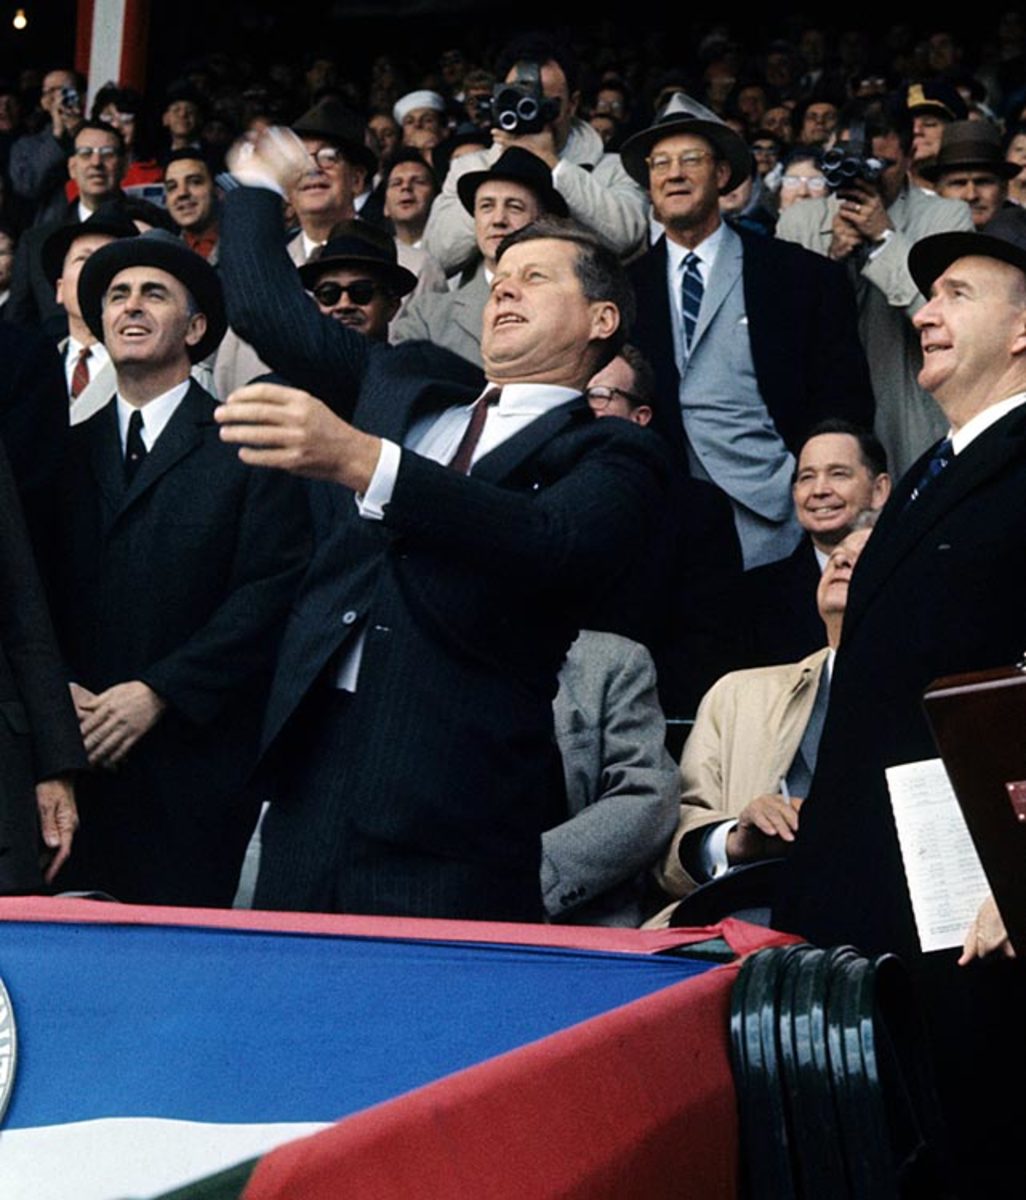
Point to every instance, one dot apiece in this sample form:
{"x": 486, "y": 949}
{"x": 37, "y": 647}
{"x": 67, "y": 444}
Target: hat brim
{"x": 195, "y": 274}
{"x": 723, "y": 139}
{"x": 355, "y": 151}
{"x": 1001, "y": 168}
{"x": 930, "y": 258}
{"x": 55, "y": 248}
{"x": 467, "y": 185}
{"x": 397, "y": 278}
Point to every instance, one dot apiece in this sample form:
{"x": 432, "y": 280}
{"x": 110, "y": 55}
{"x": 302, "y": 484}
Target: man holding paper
{"x": 938, "y": 591}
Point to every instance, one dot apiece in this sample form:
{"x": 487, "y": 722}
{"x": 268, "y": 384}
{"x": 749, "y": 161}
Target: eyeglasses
{"x": 815, "y": 183}
{"x": 660, "y": 164}
{"x": 327, "y": 156}
{"x": 360, "y": 292}
{"x": 602, "y": 397}
{"x": 105, "y": 153}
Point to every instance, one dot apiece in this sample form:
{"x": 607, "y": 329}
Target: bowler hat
{"x": 55, "y": 248}
{"x": 518, "y": 166}
{"x": 970, "y": 144}
{"x": 163, "y": 250}
{"x": 1003, "y": 238}
{"x": 684, "y": 115}
{"x": 331, "y": 120}
{"x": 358, "y": 243}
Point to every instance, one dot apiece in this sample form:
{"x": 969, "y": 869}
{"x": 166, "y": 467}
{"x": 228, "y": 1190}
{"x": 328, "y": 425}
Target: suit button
{"x": 349, "y": 617}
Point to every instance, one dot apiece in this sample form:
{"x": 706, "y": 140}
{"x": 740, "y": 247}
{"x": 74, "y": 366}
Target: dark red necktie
{"x": 80, "y": 375}
{"x": 464, "y": 455}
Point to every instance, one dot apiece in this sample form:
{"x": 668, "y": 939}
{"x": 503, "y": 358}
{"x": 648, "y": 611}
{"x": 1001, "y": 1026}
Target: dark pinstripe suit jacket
{"x": 471, "y": 589}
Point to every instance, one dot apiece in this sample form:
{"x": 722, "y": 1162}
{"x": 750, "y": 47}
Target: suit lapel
{"x": 507, "y": 456}
{"x": 183, "y": 432}
{"x": 178, "y": 438}
{"x": 902, "y": 527}
{"x": 467, "y": 303}
{"x": 726, "y": 274}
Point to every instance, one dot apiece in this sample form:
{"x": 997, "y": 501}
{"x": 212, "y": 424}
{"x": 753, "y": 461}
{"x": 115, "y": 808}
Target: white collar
{"x": 705, "y": 252}
{"x": 983, "y": 420}
{"x": 156, "y": 413}
{"x": 532, "y": 399}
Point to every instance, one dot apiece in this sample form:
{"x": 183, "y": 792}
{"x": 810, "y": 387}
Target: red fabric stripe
{"x": 740, "y": 937}
{"x": 83, "y": 35}
{"x": 636, "y": 1102}
{"x": 135, "y": 35}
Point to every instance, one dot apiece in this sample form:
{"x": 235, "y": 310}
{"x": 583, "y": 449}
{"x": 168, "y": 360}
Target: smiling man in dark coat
{"x": 938, "y": 591}
{"x": 176, "y": 569}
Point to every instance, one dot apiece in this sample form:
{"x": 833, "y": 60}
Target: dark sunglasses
{"x": 360, "y": 292}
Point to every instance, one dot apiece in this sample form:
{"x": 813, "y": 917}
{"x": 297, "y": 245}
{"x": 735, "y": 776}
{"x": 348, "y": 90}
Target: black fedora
{"x": 684, "y": 115}
{"x": 333, "y": 121}
{"x": 163, "y": 250}
{"x": 518, "y": 166}
{"x": 1003, "y": 238}
{"x": 358, "y": 243}
{"x": 55, "y": 249}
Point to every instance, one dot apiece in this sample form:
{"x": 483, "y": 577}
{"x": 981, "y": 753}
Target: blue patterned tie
{"x": 939, "y": 459}
{"x": 691, "y": 298}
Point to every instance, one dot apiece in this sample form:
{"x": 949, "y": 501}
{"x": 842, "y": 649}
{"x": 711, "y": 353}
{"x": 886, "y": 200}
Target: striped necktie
{"x": 691, "y": 298}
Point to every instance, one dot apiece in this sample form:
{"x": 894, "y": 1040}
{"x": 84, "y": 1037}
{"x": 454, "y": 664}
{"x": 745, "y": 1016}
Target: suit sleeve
{"x": 268, "y": 307}
{"x": 29, "y": 646}
{"x": 888, "y": 269}
{"x": 702, "y": 798}
{"x": 236, "y": 645}
{"x": 633, "y": 804}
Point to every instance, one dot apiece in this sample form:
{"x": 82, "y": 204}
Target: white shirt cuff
{"x": 375, "y": 499}
{"x": 712, "y": 857}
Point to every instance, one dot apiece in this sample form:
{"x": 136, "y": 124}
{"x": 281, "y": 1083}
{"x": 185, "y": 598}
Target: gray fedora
{"x": 684, "y": 115}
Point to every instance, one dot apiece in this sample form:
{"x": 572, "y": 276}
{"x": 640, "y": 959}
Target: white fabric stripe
{"x": 128, "y": 1156}
{"x": 105, "y": 46}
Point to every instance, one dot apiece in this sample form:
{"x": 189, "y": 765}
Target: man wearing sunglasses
{"x": 356, "y": 280}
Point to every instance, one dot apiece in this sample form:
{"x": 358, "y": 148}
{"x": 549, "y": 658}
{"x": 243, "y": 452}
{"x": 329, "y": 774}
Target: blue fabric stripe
{"x": 212, "y": 1025}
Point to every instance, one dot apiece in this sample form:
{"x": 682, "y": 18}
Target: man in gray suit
{"x": 622, "y": 788}
{"x": 511, "y": 194}
{"x": 751, "y": 343}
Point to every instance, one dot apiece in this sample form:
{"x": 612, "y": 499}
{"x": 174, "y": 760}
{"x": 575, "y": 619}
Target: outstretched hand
{"x": 290, "y": 430}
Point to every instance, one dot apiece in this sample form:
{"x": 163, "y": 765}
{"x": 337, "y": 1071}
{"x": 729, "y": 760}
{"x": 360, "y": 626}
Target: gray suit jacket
{"x": 623, "y": 789}
{"x": 449, "y": 319}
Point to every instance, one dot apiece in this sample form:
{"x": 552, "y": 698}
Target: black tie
{"x": 135, "y": 447}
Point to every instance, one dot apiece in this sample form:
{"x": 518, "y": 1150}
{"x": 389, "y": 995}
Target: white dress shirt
{"x": 156, "y": 414}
